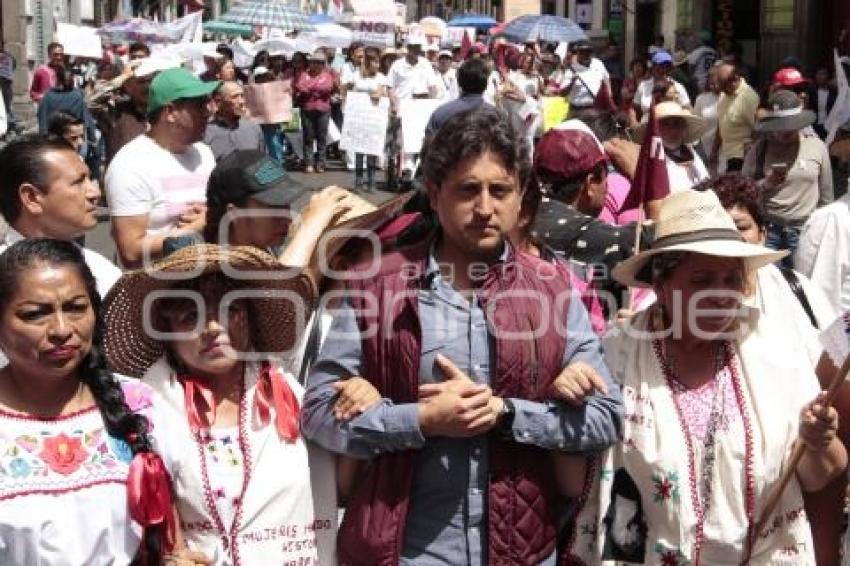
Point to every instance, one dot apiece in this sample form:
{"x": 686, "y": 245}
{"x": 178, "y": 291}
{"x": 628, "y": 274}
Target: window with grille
{"x": 778, "y": 14}
{"x": 684, "y": 14}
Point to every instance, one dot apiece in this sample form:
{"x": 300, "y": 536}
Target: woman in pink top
{"x": 313, "y": 90}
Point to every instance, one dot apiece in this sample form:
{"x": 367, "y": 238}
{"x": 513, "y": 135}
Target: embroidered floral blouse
{"x": 63, "y": 496}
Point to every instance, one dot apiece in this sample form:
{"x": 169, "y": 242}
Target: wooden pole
{"x": 799, "y": 450}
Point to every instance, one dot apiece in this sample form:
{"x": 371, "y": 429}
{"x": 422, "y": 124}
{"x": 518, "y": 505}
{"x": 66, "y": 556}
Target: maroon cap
{"x": 567, "y": 154}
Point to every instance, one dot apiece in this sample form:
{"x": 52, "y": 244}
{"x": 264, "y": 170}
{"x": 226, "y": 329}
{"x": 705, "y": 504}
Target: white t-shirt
{"x": 705, "y": 107}
{"x": 449, "y": 89}
{"x": 367, "y": 84}
{"x": 592, "y": 76}
{"x": 145, "y": 178}
{"x": 407, "y": 80}
{"x": 643, "y": 95}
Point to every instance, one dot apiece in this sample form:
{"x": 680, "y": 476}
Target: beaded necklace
{"x": 229, "y": 537}
{"x": 701, "y": 504}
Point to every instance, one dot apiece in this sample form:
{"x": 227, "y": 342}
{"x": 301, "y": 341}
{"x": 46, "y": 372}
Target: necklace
{"x": 701, "y": 490}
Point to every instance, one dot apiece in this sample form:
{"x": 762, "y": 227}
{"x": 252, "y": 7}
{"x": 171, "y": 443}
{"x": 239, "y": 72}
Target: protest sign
{"x": 453, "y": 36}
{"x": 373, "y": 33}
{"x": 269, "y": 103}
{"x": 79, "y": 41}
{"x": 555, "y": 110}
{"x": 415, "y": 113}
{"x": 365, "y": 127}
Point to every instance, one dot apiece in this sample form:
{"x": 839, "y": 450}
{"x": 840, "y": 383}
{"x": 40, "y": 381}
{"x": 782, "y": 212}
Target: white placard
{"x": 365, "y": 127}
{"x": 79, "y": 41}
{"x": 454, "y": 36}
{"x": 374, "y": 33}
{"x": 415, "y": 113}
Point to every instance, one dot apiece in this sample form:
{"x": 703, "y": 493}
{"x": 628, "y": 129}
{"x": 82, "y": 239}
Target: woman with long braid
{"x": 79, "y": 481}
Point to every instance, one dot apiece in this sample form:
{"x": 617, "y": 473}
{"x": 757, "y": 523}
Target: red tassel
{"x": 274, "y": 391}
{"x": 194, "y": 392}
{"x": 149, "y": 496}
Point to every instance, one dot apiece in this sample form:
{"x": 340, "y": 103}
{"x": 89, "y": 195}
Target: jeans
{"x": 315, "y": 126}
{"x": 6, "y": 90}
{"x": 371, "y": 165}
{"x": 783, "y": 238}
{"x": 274, "y": 141}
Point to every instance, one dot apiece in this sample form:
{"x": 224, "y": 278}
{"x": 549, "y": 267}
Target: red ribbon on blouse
{"x": 272, "y": 392}
{"x": 149, "y": 496}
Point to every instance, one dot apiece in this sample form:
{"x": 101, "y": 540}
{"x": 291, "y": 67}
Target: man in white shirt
{"x": 447, "y": 77}
{"x": 46, "y": 192}
{"x": 662, "y": 64}
{"x": 156, "y": 184}
{"x": 582, "y": 79}
{"x": 823, "y": 252}
{"x": 412, "y": 76}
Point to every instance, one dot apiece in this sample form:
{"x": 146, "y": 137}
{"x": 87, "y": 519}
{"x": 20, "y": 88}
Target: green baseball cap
{"x": 175, "y": 84}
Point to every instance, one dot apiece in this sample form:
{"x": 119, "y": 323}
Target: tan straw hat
{"x": 694, "y": 128}
{"x": 280, "y": 293}
{"x": 693, "y": 221}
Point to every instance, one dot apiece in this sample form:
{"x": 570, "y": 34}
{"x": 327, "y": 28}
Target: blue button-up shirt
{"x": 447, "y": 515}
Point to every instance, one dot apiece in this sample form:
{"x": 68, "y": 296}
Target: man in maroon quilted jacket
{"x": 469, "y": 345}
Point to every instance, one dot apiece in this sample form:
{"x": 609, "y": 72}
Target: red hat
{"x": 789, "y": 77}
{"x": 566, "y": 154}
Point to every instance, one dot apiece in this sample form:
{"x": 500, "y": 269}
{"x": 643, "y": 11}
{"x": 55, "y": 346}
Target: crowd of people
{"x": 524, "y": 357}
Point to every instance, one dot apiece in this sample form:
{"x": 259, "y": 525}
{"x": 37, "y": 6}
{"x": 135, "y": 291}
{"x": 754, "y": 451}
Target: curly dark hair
{"x": 735, "y": 189}
{"x": 484, "y": 129}
{"x": 120, "y": 421}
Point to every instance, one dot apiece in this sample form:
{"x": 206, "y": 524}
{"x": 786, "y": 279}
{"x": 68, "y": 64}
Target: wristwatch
{"x": 506, "y": 417}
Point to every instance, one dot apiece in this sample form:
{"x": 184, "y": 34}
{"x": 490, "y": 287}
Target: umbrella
{"x": 473, "y": 21}
{"x": 282, "y": 45}
{"x": 137, "y": 29}
{"x": 228, "y": 28}
{"x": 552, "y": 29}
{"x": 331, "y": 35}
{"x": 269, "y": 13}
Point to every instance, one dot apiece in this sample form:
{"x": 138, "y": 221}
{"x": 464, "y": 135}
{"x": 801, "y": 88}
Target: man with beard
{"x": 156, "y": 184}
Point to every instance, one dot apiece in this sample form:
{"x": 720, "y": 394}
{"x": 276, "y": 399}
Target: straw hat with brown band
{"x": 695, "y": 126}
{"x": 282, "y": 294}
{"x": 693, "y": 221}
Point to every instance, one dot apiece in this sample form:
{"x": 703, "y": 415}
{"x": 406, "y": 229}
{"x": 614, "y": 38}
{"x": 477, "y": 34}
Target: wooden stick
{"x": 799, "y": 450}
{"x": 638, "y": 230}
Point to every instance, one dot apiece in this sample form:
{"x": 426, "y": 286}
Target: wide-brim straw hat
{"x": 283, "y": 299}
{"x": 695, "y": 126}
{"x": 786, "y": 114}
{"x": 693, "y": 221}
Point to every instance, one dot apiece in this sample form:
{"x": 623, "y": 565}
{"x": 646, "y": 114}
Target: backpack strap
{"x": 797, "y": 288}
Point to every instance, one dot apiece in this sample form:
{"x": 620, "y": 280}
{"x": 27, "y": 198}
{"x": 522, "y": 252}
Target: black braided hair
{"x": 119, "y": 420}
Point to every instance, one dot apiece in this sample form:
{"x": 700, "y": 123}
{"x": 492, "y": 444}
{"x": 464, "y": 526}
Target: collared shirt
{"x": 736, "y": 119}
{"x": 224, "y": 139}
{"x": 447, "y": 516}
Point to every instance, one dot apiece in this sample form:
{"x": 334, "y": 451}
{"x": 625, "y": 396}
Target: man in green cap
{"x": 156, "y": 184}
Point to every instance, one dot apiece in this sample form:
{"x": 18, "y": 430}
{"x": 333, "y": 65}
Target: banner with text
{"x": 269, "y": 103}
{"x": 374, "y": 33}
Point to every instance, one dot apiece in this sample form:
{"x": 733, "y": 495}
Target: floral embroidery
{"x": 19, "y": 468}
{"x": 670, "y": 556}
{"x": 223, "y": 450}
{"x": 121, "y": 449}
{"x": 665, "y": 486}
{"x": 64, "y": 454}
{"x": 137, "y": 394}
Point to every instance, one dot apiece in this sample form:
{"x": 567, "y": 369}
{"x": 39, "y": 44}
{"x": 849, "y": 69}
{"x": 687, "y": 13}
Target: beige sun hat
{"x": 280, "y": 292}
{"x": 695, "y": 126}
{"x": 693, "y": 221}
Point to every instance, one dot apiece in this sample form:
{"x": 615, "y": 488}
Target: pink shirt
{"x": 618, "y": 189}
{"x": 314, "y": 93}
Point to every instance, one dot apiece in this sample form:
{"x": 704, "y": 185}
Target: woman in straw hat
{"x": 203, "y": 328}
{"x": 793, "y": 170}
{"x": 716, "y": 396}
{"x": 75, "y": 438}
{"x": 679, "y": 130}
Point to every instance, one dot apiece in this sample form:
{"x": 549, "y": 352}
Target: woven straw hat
{"x": 693, "y": 221}
{"x": 695, "y": 126}
{"x": 130, "y": 350}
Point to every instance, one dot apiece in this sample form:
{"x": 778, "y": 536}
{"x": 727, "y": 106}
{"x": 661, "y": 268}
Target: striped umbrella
{"x": 269, "y": 13}
{"x": 552, "y": 29}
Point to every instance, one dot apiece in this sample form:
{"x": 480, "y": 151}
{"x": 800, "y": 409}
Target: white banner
{"x": 454, "y": 36}
{"x": 79, "y": 41}
{"x": 415, "y": 113}
{"x": 840, "y": 113}
{"x": 374, "y": 33}
{"x": 365, "y": 127}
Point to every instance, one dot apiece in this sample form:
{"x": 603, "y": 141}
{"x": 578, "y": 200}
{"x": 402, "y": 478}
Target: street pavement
{"x": 101, "y": 241}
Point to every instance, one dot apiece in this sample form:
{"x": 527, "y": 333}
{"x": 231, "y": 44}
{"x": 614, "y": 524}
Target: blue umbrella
{"x": 321, "y": 19}
{"x": 473, "y": 21}
{"x": 552, "y": 29}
